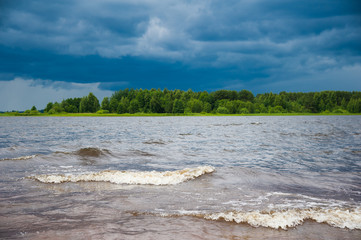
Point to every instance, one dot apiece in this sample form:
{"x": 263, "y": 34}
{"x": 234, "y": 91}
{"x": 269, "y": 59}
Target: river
{"x": 274, "y": 177}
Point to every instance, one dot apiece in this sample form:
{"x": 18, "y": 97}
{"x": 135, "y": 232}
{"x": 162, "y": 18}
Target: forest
{"x": 221, "y": 101}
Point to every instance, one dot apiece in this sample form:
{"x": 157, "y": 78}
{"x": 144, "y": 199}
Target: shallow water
{"x": 181, "y": 177}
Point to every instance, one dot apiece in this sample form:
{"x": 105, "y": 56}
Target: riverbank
{"x": 15, "y": 114}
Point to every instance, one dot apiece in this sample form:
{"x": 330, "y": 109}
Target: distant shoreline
{"x": 167, "y": 114}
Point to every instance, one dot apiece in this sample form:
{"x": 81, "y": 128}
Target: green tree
{"x": 83, "y": 105}
{"x": 140, "y": 97}
{"x": 186, "y": 96}
{"x": 296, "y": 107}
{"x": 89, "y": 103}
{"x": 195, "y": 105}
{"x": 158, "y": 101}
{"x": 106, "y": 104}
{"x": 147, "y": 98}
{"x": 354, "y": 106}
{"x": 321, "y": 106}
{"x": 33, "y": 111}
{"x": 71, "y": 109}
{"x": 68, "y": 106}
{"x": 57, "y": 108}
{"x": 155, "y": 104}
{"x": 343, "y": 104}
{"x": 113, "y": 105}
{"x": 134, "y": 106}
{"x": 276, "y": 109}
{"x": 178, "y": 106}
{"x": 250, "y": 107}
{"x": 245, "y": 96}
{"x": 225, "y": 94}
{"x": 243, "y": 111}
{"x": 263, "y": 108}
{"x": 222, "y": 110}
{"x": 232, "y": 106}
{"x": 279, "y": 101}
{"x": 48, "y": 107}
{"x": 167, "y": 102}
{"x": 204, "y": 97}
{"x": 207, "y": 107}
{"x": 93, "y": 103}
{"x": 71, "y": 105}
{"x": 123, "y": 105}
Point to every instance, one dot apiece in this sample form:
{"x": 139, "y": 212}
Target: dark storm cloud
{"x": 180, "y": 44}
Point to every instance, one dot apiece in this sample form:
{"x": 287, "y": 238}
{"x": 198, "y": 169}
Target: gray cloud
{"x": 278, "y": 39}
{"x": 113, "y": 28}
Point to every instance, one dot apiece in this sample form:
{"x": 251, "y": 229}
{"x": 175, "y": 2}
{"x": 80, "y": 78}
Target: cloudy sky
{"x": 52, "y": 50}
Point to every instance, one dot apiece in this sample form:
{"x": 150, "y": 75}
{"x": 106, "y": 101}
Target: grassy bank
{"x": 12, "y": 114}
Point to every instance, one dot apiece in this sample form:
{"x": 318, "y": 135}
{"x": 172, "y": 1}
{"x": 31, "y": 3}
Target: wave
{"x": 159, "y": 142}
{"x": 141, "y": 153}
{"x": 130, "y": 177}
{"x": 88, "y": 152}
{"x": 336, "y": 217}
{"x": 19, "y": 158}
{"x": 227, "y": 125}
{"x": 91, "y": 152}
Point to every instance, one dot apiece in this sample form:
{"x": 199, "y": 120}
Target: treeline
{"x": 89, "y": 104}
{"x": 221, "y": 101}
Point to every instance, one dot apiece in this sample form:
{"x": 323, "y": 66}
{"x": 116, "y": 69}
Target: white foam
{"x": 130, "y": 177}
{"x": 66, "y": 167}
{"x": 19, "y": 158}
{"x": 337, "y": 217}
{"x": 283, "y": 219}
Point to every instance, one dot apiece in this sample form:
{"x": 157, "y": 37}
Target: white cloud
{"x": 21, "y": 94}
{"x": 160, "y": 40}
{"x": 152, "y": 40}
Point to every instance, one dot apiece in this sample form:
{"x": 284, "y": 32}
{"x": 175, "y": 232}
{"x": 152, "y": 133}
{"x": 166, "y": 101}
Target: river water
{"x": 294, "y": 177}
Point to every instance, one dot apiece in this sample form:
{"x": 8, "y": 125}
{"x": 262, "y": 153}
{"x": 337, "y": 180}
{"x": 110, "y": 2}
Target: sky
{"x": 53, "y": 50}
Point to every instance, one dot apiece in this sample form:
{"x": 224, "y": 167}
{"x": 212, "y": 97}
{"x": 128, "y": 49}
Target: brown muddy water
{"x": 296, "y": 177}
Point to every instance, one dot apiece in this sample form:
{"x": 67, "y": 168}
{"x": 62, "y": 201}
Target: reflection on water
{"x": 299, "y": 173}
